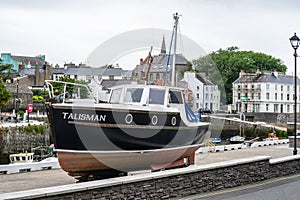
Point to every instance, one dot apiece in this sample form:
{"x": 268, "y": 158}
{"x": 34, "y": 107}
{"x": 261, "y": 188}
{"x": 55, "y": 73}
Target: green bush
{"x": 21, "y": 113}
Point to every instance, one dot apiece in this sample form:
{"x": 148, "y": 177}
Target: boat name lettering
{"x": 83, "y": 117}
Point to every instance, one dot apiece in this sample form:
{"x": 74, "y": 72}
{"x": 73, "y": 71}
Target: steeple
{"x": 163, "y": 46}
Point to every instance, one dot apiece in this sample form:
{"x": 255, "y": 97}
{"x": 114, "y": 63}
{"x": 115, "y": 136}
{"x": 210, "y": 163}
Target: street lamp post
{"x": 295, "y": 44}
{"x": 17, "y": 105}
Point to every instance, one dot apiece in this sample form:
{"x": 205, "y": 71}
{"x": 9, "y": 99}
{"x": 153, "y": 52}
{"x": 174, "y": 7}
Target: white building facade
{"x": 205, "y": 93}
{"x": 272, "y": 92}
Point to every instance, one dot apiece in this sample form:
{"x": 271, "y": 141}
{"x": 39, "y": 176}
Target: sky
{"x": 70, "y": 30}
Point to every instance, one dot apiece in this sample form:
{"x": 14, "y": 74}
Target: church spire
{"x": 163, "y": 46}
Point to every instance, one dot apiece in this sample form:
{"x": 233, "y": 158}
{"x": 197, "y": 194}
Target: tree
{"x": 70, "y": 89}
{"x": 5, "y": 71}
{"x": 223, "y": 66}
{"x": 5, "y": 95}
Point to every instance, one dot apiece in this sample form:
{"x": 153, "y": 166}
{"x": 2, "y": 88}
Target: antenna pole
{"x": 176, "y": 18}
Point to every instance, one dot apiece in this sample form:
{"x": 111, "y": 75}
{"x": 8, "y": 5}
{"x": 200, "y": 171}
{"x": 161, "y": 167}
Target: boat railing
{"x": 61, "y": 91}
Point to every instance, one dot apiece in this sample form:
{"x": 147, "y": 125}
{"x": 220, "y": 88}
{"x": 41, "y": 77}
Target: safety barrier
{"x": 48, "y": 163}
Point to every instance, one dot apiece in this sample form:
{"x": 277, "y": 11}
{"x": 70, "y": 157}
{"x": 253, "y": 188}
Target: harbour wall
{"x": 21, "y": 138}
{"x": 170, "y": 184}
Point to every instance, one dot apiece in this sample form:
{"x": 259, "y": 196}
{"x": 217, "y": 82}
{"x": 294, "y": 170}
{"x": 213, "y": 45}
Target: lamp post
{"x": 44, "y": 99}
{"x": 295, "y": 44}
{"x": 17, "y": 105}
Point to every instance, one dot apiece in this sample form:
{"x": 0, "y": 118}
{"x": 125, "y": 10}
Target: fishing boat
{"x": 237, "y": 139}
{"x": 140, "y": 127}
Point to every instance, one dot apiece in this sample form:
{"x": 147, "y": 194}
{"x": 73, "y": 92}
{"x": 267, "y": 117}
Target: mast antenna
{"x": 176, "y": 20}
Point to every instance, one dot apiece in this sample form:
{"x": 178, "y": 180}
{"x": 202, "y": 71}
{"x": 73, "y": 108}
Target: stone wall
{"x": 21, "y": 139}
{"x": 174, "y": 183}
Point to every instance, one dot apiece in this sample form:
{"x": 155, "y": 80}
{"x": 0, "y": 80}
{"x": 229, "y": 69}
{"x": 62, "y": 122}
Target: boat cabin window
{"x": 115, "y": 95}
{"x": 133, "y": 95}
{"x": 156, "y": 96}
{"x": 175, "y": 97}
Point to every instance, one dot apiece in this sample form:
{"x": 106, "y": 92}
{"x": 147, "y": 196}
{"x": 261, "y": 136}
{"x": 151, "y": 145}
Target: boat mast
{"x": 176, "y": 18}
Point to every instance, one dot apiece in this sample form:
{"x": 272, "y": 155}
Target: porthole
{"x": 154, "y": 120}
{"x": 173, "y": 121}
{"x": 128, "y": 118}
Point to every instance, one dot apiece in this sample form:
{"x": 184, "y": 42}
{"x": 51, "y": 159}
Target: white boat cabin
{"x": 146, "y": 95}
{"x": 21, "y": 158}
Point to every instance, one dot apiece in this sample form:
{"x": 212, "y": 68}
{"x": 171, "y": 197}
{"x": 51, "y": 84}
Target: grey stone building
{"x": 159, "y": 67}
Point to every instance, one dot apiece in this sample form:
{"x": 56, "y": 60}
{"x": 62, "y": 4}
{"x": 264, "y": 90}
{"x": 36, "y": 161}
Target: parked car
{"x": 261, "y": 123}
{"x": 205, "y": 111}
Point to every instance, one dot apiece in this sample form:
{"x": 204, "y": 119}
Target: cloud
{"x": 69, "y": 30}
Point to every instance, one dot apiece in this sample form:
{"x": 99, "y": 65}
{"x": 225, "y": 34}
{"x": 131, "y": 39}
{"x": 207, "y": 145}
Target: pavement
{"x": 47, "y": 178}
{"x": 275, "y": 151}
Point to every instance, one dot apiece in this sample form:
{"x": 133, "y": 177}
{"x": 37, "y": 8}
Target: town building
{"x": 160, "y": 67}
{"x": 86, "y": 73}
{"x": 27, "y": 61}
{"x": 205, "y": 94}
{"x": 30, "y": 71}
{"x": 264, "y": 92}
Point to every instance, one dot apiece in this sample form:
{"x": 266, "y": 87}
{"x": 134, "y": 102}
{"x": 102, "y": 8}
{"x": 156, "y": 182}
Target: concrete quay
{"x": 56, "y": 182}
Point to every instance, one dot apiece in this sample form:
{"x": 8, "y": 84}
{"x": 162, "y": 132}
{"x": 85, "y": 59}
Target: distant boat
{"x": 237, "y": 139}
{"x": 21, "y": 158}
{"x": 215, "y": 140}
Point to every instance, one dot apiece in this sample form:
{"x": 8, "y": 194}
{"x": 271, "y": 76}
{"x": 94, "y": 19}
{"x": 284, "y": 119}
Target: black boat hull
{"x": 89, "y": 140}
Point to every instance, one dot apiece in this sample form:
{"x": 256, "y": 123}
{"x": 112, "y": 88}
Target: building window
{"x": 275, "y": 108}
{"x": 88, "y": 78}
{"x": 275, "y": 96}
{"x": 157, "y": 76}
{"x": 288, "y": 97}
{"x": 288, "y": 108}
{"x": 288, "y": 88}
{"x": 252, "y": 96}
{"x": 252, "y": 86}
{"x": 206, "y": 96}
{"x": 268, "y": 87}
{"x": 151, "y": 77}
{"x": 258, "y": 96}
{"x": 197, "y": 95}
{"x": 267, "y": 107}
{"x": 275, "y": 87}
{"x": 281, "y": 88}
{"x": 197, "y": 105}
{"x": 258, "y": 86}
{"x": 256, "y": 107}
{"x": 198, "y": 87}
{"x": 239, "y": 87}
{"x": 281, "y": 96}
{"x": 239, "y": 96}
{"x": 268, "y": 96}
{"x": 111, "y": 77}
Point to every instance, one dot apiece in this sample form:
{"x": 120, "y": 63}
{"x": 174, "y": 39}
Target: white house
{"x": 205, "y": 93}
{"x": 264, "y": 92}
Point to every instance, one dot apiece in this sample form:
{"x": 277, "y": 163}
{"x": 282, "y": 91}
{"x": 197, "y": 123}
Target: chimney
{"x": 275, "y": 73}
{"x": 258, "y": 72}
{"x": 141, "y": 61}
{"x": 242, "y": 73}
